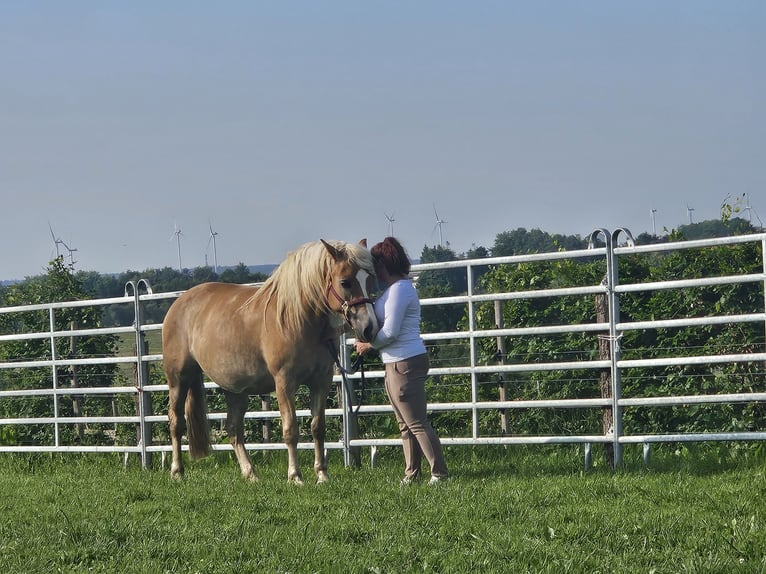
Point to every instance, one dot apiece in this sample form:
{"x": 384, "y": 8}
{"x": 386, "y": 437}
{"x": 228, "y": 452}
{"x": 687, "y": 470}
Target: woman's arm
{"x": 394, "y": 310}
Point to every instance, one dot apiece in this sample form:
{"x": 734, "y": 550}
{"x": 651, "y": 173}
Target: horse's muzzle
{"x": 368, "y": 333}
{"x": 365, "y": 327}
{"x": 364, "y": 323}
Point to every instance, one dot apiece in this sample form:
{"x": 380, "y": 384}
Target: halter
{"x": 347, "y": 304}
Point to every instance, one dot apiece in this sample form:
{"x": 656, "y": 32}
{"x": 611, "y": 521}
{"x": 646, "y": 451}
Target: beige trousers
{"x": 406, "y": 390}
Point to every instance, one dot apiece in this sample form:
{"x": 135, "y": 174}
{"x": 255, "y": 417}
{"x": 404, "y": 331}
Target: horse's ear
{"x": 331, "y": 249}
{"x": 363, "y": 242}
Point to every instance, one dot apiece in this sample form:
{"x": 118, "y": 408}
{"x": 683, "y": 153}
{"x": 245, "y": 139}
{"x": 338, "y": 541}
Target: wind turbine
{"x": 654, "y": 222}
{"x": 71, "y": 250}
{"x": 439, "y": 223}
{"x": 213, "y": 235}
{"x": 56, "y": 241}
{"x": 751, "y": 211}
{"x": 391, "y": 220}
{"x": 177, "y": 234}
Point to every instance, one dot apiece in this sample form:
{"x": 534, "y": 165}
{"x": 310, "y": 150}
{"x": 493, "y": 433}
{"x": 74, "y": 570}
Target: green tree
{"x": 716, "y": 228}
{"x": 440, "y": 283}
{"x": 522, "y": 242}
{"x": 563, "y": 347}
{"x": 690, "y": 379}
{"x": 241, "y": 274}
{"x": 58, "y": 285}
{"x": 726, "y": 338}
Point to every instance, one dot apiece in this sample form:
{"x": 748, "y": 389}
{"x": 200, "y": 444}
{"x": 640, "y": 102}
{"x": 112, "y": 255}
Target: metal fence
{"x": 481, "y": 387}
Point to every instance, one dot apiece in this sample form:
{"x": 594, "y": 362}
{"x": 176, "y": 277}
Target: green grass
{"x": 504, "y": 510}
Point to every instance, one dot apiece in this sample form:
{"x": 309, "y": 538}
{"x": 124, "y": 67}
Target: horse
{"x": 253, "y": 340}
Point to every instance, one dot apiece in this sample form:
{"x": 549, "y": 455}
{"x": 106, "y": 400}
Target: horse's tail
{"x": 197, "y": 427}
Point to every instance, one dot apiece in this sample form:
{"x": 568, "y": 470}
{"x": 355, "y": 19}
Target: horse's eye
{"x": 346, "y": 283}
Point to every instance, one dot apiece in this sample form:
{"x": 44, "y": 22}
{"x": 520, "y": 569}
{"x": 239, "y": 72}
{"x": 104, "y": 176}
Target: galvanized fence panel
{"x": 474, "y": 372}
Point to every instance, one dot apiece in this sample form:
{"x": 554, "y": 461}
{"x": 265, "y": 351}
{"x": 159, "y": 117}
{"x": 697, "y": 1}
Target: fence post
{"x": 502, "y": 383}
{"x": 76, "y": 400}
{"x": 144, "y": 400}
{"x": 615, "y": 337}
{"x": 472, "y": 350}
{"x": 351, "y": 455}
{"x": 614, "y": 347}
{"x": 54, "y": 378}
{"x": 763, "y": 263}
{"x": 605, "y": 376}
{"x": 266, "y": 428}
{"x": 613, "y": 304}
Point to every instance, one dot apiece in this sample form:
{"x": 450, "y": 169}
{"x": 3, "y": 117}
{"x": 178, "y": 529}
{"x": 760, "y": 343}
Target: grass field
{"x": 504, "y": 510}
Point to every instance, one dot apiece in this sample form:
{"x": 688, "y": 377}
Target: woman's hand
{"x": 362, "y": 348}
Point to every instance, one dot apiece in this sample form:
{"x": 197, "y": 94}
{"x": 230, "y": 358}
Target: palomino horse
{"x": 255, "y": 340}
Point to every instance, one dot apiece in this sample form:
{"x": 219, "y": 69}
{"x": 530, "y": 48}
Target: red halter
{"x": 347, "y": 304}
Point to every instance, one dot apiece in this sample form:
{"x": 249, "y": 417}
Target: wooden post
{"x": 143, "y": 402}
{"x": 266, "y": 406}
{"x": 76, "y": 399}
{"x": 501, "y": 360}
{"x": 605, "y": 377}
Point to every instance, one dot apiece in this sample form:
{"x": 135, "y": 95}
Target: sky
{"x": 278, "y": 123}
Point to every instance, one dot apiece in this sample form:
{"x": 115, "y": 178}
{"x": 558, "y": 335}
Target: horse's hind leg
{"x": 177, "y": 399}
{"x": 236, "y": 406}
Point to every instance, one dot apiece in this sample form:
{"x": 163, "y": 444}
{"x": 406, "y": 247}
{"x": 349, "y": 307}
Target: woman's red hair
{"x": 392, "y": 255}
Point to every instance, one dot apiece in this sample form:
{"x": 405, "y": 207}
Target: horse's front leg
{"x": 286, "y": 400}
{"x": 318, "y": 430}
{"x": 236, "y": 406}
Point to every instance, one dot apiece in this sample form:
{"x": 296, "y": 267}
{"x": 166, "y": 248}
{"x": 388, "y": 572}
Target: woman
{"x": 405, "y": 359}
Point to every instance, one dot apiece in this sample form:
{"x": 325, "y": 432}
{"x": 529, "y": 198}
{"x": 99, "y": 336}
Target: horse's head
{"x": 348, "y": 287}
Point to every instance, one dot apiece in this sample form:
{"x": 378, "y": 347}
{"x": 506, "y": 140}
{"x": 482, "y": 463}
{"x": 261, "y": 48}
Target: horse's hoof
{"x": 248, "y": 473}
{"x": 323, "y": 478}
{"x": 177, "y": 474}
{"x": 296, "y": 480}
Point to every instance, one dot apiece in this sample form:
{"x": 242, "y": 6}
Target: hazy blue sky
{"x": 284, "y": 122}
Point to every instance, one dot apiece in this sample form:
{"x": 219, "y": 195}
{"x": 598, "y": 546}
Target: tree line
{"x": 63, "y": 283}
{"x": 679, "y": 380}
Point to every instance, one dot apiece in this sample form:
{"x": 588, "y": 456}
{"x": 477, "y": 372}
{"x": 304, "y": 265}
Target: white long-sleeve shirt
{"x": 398, "y": 311}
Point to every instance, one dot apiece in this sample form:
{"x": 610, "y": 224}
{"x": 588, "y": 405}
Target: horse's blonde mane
{"x": 298, "y": 287}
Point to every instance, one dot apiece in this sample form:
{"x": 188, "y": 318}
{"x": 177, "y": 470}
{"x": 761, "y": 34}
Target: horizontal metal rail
{"x": 473, "y": 371}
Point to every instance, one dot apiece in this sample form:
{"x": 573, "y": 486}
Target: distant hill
{"x": 265, "y": 269}
{"x": 521, "y": 240}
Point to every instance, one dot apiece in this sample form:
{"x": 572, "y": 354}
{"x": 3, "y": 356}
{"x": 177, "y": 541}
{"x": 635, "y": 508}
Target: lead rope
{"x": 357, "y": 365}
